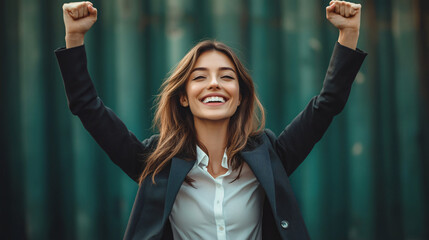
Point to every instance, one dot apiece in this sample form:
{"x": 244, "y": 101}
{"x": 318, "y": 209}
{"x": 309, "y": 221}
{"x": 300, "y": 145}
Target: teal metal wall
{"x": 367, "y": 179}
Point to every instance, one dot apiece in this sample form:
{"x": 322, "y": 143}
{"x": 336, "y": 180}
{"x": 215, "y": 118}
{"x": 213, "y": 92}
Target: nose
{"x": 214, "y": 83}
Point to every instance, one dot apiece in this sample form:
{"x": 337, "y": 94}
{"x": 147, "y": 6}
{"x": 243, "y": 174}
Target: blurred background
{"x": 366, "y": 179}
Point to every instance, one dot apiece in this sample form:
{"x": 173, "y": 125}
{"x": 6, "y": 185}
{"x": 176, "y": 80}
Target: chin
{"x": 213, "y": 117}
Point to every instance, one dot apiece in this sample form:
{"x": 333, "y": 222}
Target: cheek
{"x": 193, "y": 90}
{"x": 235, "y": 92}
{"x": 192, "y": 93}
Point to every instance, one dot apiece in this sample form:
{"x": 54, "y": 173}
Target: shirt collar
{"x": 203, "y": 159}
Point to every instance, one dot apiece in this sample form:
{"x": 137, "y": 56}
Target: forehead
{"x": 213, "y": 59}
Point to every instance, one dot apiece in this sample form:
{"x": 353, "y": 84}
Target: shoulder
{"x": 271, "y": 135}
{"x": 263, "y": 137}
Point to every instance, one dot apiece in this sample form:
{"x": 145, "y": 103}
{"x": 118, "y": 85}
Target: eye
{"x": 227, "y": 77}
{"x": 198, "y": 77}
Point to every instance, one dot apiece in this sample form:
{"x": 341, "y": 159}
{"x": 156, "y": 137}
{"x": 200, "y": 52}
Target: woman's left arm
{"x": 296, "y": 141}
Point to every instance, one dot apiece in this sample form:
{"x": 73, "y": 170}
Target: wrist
{"x": 348, "y": 37}
{"x": 74, "y": 39}
{"x": 349, "y": 31}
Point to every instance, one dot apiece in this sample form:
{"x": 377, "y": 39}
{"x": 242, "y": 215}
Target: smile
{"x": 214, "y": 99}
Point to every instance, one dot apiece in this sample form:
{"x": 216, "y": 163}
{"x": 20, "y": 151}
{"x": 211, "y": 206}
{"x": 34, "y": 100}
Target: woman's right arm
{"x": 123, "y": 148}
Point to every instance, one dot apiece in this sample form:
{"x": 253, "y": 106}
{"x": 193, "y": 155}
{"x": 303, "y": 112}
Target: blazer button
{"x": 284, "y": 224}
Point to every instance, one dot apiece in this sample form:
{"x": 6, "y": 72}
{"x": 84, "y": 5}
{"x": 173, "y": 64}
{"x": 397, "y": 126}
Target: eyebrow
{"x": 205, "y": 69}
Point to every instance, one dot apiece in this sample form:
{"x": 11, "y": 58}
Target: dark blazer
{"x": 272, "y": 159}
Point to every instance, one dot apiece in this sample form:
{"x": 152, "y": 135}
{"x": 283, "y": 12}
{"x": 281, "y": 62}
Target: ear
{"x": 184, "y": 101}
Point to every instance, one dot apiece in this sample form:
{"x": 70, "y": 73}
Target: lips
{"x": 214, "y": 99}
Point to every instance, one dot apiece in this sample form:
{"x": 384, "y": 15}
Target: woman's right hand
{"x": 78, "y": 19}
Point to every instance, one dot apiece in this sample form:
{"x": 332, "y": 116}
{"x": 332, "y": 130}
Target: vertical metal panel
{"x": 407, "y": 108}
{"x": 12, "y": 194}
{"x": 387, "y": 181}
{"x": 423, "y": 49}
{"x": 227, "y": 17}
{"x": 179, "y": 30}
{"x": 32, "y": 121}
{"x": 156, "y": 44}
{"x": 264, "y": 42}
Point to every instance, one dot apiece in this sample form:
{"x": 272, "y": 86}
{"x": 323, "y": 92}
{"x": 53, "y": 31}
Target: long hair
{"x": 177, "y": 134}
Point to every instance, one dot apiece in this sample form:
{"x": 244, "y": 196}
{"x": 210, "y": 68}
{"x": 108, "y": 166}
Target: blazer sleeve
{"x": 122, "y": 146}
{"x": 299, "y": 137}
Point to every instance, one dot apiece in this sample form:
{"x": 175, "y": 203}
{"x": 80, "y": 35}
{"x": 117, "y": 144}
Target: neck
{"x": 213, "y": 135}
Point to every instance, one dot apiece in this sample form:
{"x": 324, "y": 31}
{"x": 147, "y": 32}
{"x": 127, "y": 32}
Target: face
{"x": 212, "y": 90}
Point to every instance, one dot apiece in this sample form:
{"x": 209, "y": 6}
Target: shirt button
{"x": 220, "y": 228}
{"x": 284, "y": 224}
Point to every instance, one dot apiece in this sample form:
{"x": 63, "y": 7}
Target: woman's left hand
{"x": 346, "y": 17}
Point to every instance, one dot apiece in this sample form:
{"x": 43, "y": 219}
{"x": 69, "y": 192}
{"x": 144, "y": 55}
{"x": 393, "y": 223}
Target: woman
{"x": 213, "y": 172}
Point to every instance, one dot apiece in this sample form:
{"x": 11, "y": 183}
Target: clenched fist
{"x": 78, "y": 19}
{"x": 346, "y": 17}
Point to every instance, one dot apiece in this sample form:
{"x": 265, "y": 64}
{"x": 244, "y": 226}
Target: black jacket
{"x": 272, "y": 159}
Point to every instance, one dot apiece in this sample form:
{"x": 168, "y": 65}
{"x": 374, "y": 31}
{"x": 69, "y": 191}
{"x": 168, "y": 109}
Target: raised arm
{"x": 123, "y": 148}
{"x": 296, "y": 141}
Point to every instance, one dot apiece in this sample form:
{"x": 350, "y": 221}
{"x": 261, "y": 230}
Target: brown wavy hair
{"x": 177, "y": 134}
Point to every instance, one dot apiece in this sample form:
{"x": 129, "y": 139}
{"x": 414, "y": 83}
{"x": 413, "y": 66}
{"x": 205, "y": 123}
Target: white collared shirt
{"x": 217, "y": 208}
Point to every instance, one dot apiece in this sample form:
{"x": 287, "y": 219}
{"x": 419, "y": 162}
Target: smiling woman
{"x": 185, "y": 117}
{"x": 213, "y": 95}
{"x": 213, "y": 172}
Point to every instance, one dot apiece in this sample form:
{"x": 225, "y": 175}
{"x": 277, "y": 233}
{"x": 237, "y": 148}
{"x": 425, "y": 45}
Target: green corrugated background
{"x": 367, "y": 179}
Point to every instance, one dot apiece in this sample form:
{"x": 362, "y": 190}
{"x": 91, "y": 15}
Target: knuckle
{"x": 66, "y": 6}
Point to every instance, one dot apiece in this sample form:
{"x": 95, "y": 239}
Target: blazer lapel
{"x": 178, "y": 171}
{"x": 258, "y": 160}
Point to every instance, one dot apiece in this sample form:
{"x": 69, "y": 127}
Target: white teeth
{"x": 214, "y": 99}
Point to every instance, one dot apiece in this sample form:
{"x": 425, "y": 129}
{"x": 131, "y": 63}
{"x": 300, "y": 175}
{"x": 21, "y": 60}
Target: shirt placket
{"x": 218, "y": 209}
